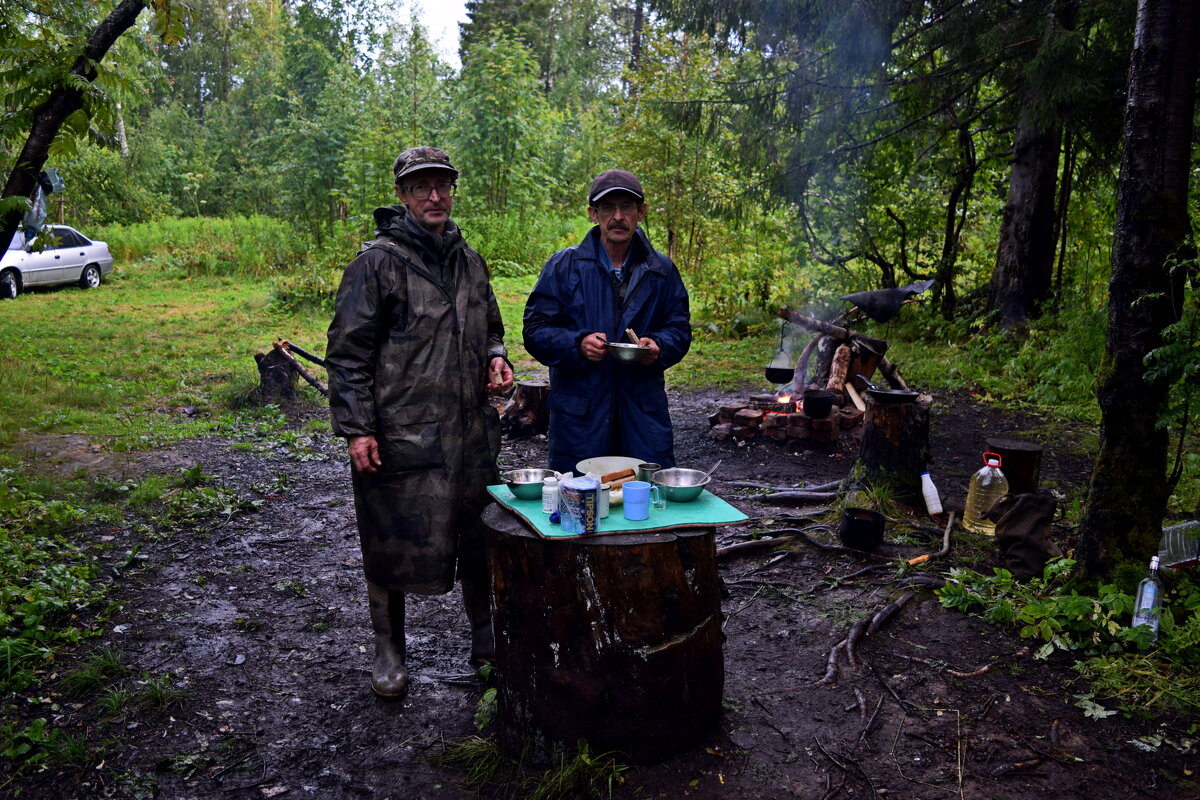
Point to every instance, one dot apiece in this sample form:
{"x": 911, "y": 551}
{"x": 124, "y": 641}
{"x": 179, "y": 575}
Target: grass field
{"x": 119, "y": 363}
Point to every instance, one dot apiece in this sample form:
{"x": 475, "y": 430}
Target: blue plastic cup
{"x": 637, "y": 499}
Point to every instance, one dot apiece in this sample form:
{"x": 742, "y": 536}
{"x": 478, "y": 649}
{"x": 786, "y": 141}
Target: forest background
{"x": 792, "y": 153}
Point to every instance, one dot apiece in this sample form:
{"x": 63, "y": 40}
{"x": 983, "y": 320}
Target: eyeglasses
{"x": 421, "y": 191}
{"x": 627, "y": 208}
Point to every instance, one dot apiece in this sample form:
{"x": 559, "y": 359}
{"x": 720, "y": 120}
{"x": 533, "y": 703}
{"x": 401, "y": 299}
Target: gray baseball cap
{"x": 418, "y": 158}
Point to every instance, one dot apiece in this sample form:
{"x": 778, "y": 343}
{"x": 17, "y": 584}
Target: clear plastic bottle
{"x": 933, "y": 503}
{"x": 1148, "y": 605}
{"x": 987, "y": 486}
{"x": 550, "y": 495}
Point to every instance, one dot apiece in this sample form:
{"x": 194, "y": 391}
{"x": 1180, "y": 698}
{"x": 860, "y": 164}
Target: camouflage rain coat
{"x": 407, "y": 360}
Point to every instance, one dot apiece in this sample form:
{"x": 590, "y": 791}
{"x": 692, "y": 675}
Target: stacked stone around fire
{"x": 748, "y": 420}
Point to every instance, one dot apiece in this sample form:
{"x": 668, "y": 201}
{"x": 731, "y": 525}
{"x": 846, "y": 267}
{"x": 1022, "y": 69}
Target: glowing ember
{"x": 787, "y": 398}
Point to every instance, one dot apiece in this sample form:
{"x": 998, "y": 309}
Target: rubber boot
{"x": 476, "y": 581}
{"x": 477, "y": 600}
{"x": 389, "y": 675}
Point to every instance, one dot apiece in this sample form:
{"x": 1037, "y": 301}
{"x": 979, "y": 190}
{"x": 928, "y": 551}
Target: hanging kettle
{"x": 780, "y": 369}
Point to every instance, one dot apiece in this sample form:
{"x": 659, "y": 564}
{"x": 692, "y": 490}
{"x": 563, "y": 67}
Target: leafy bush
{"x": 1118, "y": 659}
{"x": 45, "y": 578}
{"x": 256, "y": 246}
{"x": 515, "y": 246}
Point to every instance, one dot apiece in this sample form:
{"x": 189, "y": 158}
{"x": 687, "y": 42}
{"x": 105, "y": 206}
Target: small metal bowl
{"x": 623, "y": 351}
{"x": 526, "y": 484}
{"x": 680, "y": 485}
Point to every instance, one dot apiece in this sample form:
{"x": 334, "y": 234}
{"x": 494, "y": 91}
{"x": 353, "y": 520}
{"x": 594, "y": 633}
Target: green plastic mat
{"x": 706, "y": 510}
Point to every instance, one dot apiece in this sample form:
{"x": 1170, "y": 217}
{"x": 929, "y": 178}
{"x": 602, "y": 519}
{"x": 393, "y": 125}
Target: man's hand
{"x": 500, "y": 376}
{"x": 652, "y": 346}
{"x": 364, "y": 454}
{"x": 593, "y": 346}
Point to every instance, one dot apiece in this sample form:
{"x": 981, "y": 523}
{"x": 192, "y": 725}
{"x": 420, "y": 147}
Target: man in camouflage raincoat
{"x": 415, "y": 345}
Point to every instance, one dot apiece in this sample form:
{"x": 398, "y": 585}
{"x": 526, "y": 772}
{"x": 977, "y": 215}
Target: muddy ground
{"x": 260, "y": 617}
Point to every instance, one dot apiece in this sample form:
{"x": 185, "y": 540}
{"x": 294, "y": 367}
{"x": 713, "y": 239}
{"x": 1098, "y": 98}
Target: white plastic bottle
{"x": 550, "y": 495}
{"x": 1148, "y": 605}
{"x": 987, "y": 486}
{"x": 933, "y": 503}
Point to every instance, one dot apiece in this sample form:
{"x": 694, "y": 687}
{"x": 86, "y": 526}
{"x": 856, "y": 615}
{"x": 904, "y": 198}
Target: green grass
{"x": 122, "y": 362}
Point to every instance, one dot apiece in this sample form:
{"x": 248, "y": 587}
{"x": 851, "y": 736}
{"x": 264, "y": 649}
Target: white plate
{"x": 602, "y": 465}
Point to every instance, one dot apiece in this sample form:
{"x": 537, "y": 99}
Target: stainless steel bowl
{"x": 680, "y": 485}
{"x": 623, "y": 351}
{"x": 526, "y": 484}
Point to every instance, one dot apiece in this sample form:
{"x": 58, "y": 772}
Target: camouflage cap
{"x": 615, "y": 180}
{"x": 419, "y": 158}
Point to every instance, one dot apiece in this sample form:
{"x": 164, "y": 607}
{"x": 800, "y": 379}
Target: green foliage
{"x": 514, "y": 246}
{"x": 499, "y": 125}
{"x": 580, "y": 775}
{"x": 1113, "y": 656}
{"x": 255, "y": 246}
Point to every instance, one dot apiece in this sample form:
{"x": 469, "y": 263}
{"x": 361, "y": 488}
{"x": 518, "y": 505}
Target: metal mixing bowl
{"x": 526, "y": 484}
{"x": 679, "y": 485}
{"x": 623, "y": 351}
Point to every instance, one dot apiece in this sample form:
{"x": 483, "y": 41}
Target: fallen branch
{"x": 824, "y": 487}
{"x": 912, "y": 562}
{"x": 755, "y": 544}
{"x": 797, "y": 497}
{"x": 831, "y": 669}
{"x": 1024, "y": 651}
{"x": 281, "y": 346}
{"x": 300, "y": 351}
{"x": 889, "y": 611}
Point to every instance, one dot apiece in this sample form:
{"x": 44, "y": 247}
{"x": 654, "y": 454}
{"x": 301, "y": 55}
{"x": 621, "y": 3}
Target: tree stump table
{"x": 895, "y": 445}
{"x": 615, "y": 639}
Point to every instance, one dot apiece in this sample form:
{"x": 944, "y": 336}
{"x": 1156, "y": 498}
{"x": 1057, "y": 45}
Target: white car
{"x": 70, "y": 257}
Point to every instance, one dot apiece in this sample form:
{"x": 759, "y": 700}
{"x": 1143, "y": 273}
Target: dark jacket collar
{"x": 393, "y": 222}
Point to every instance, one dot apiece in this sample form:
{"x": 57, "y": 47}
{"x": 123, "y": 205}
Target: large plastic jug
{"x": 987, "y": 486}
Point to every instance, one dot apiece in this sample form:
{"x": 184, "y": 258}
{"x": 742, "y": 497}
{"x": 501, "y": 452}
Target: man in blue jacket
{"x": 587, "y": 296}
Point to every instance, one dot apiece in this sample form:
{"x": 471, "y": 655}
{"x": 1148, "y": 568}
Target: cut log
{"x": 895, "y": 445}
{"x": 614, "y": 639}
{"x": 1021, "y": 463}
{"x": 839, "y": 365}
{"x": 527, "y": 413}
{"x": 276, "y": 376}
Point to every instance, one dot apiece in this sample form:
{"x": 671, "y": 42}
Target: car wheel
{"x": 90, "y": 278}
{"x": 10, "y": 287}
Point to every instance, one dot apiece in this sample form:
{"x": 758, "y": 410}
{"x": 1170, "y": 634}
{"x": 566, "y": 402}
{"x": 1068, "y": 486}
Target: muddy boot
{"x": 389, "y": 675}
{"x": 477, "y": 600}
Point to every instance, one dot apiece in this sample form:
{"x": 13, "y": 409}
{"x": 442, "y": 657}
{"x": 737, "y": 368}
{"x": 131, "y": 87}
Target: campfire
{"x": 822, "y": 393}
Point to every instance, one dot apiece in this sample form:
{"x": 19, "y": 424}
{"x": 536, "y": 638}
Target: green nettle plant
{"x": 1121, "y": 662}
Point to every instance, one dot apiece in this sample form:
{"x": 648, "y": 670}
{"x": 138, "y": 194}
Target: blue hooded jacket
{"x": 576, "y": 295}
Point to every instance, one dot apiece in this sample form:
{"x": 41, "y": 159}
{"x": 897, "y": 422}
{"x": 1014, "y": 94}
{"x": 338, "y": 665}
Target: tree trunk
{"x": 63, "y": 101}
{"x": 1025, "y": 255}
{"x": 895, "y": 445}
{"x": 614, "y": 639}
{"x": 1128, "y": 493}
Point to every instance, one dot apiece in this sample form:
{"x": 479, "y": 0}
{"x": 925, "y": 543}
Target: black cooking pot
{"x": 861, "y": 528}
{"x": 881, "y": 395}
{"x": 780, "y": 374}
{"x": 818, "y": 403}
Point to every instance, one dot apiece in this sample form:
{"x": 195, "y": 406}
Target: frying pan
{"x": 881, "y": 395}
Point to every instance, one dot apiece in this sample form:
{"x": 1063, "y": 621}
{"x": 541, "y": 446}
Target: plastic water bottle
{"x": 550, "y": 495}
{"x": 933, "y": 503}
{"x": 987, "y": 486}
{"x": 1148, "y": 604}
